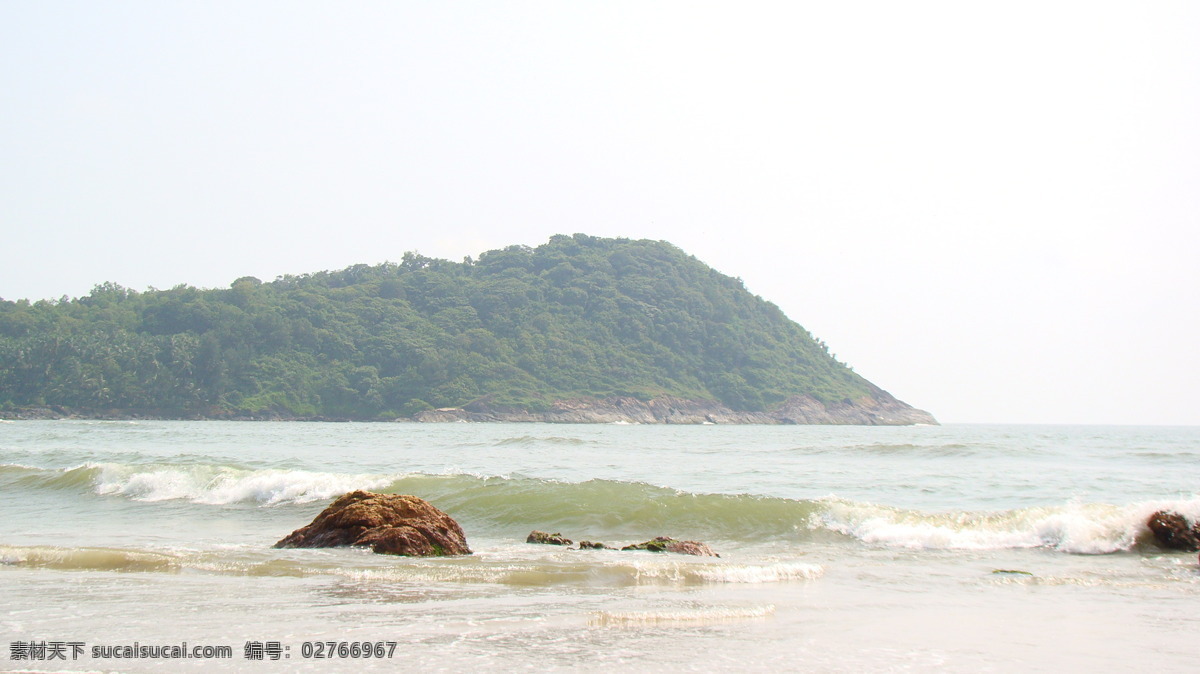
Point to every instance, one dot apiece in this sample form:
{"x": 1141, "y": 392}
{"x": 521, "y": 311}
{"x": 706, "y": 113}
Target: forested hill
{"x": 519, "y": 329}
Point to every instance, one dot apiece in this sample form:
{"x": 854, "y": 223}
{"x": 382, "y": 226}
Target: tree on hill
{"x": 519, "y": 327}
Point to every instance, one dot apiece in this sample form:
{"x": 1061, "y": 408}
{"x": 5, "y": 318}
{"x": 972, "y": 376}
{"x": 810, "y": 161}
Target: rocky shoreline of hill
{"x": 882, "y": 410}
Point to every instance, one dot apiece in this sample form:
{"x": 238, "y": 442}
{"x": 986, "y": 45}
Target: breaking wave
{"x": 608, "y": 509}
{"x": 201, "y": 484}
{"x": 1080, "y": 528}
{"x": 88, "y": 559}
{"x": 221, "y": 485}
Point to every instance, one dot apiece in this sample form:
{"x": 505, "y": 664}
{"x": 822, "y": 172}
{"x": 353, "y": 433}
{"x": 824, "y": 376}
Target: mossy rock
{"x": 543, "y": 538}
{"x": 667, "y": 544}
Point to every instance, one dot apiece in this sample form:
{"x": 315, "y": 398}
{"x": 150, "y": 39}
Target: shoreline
{"x": 799, "y": 410}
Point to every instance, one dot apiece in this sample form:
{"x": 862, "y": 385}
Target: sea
{"x": 146, "y": 546}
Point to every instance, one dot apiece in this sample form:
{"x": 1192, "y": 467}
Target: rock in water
{"x": 592, "y": 545}
{"x": 391, "y": 524}
{"x": 691, "y": 548}
{"x": 544, "y": 538}
{"x": 1173, "y": 532}
{"x": 665, "y": 544}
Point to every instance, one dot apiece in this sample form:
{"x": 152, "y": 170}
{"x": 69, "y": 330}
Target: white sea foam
{"x": 549, "y": 573}
{"x": 758, "y": 573}
{"x": 1081, "y": 528}
{"x": 219, "y": 485}
{"x": 685, "y": 616}
{"x": 696, "y": 573}
{"x": 448, "y": 571}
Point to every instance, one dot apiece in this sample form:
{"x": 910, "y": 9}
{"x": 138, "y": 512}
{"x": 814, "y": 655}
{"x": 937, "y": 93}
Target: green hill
{"x": 518, "y": 329}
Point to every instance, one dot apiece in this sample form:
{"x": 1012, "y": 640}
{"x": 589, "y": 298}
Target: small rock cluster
{"x": 395, "y": 524}
{"x": 660, "y": 544}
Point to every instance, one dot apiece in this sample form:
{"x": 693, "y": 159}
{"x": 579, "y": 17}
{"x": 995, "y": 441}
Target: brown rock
{"x": 665, "y": 544}
{"x": 1172, "y": 531}
{"x": 391, "y": 524}
{"x": 547, "y": 539}
{"x": 691, "y": 548}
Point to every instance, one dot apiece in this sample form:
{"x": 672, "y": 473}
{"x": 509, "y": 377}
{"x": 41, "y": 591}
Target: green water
{"x": 842, "y": 548}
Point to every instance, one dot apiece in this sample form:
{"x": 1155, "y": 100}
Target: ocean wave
{"x": 88, "y": 559}
{"x": 605, "y": 509}
{"x": 928, "y": 449}
{"x": 585, "y": 572}
{"x": 363, "y": 566}
{"x": 196, "y": 483}
{"x": 19, "y": 475}
{"x": 535, "y": 440}
{"x": 905, "y": 449}
{"x": 510, "y": 506}
{"x": 588, "y": 573}
{"x": 1080, "y": 528}
{"x": 221, "y": 485}
{"x": 691, "y": 573}
{"x": 16, "y": 469}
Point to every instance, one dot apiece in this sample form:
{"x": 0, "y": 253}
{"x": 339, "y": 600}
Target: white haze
{"x": 989, "y": 209}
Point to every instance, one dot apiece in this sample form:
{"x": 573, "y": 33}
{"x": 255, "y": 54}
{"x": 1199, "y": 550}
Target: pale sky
{"x": 991, "y": 210}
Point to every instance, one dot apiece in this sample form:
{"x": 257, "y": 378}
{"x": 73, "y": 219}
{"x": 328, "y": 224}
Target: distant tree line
{"x": 520, "y": 327}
